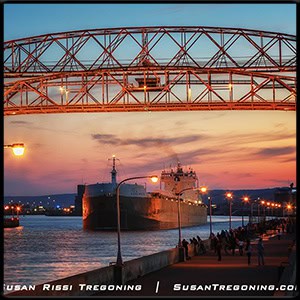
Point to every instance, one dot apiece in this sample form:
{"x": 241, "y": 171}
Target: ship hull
{"x": 140, "y": 213}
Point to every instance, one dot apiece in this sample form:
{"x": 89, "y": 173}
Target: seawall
{"x": 110, "y": 275}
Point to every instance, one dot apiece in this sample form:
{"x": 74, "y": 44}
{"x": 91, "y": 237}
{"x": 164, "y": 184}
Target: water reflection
{"x": 49, "y": 248}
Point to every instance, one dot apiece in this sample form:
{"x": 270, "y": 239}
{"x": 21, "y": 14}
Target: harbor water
{"x": 47, "y": 248}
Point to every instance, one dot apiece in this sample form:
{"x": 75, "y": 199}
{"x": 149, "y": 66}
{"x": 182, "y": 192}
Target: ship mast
{"x": 114, "y": 171}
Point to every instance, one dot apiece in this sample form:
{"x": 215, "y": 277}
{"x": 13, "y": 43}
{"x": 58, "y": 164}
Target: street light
{"x": 179, "y": 212}
{"x": 245, "y": 200}
{"x": 18, "y": 149}
{"x": 279, "y": 206}
{"x": 154, "y": 178}
{"x": 263, "y": 203}
{"x": 203, "y": 190}
{"x": 289, "y": 208}
{"x": 12, "y": 211}
{"x": 18, "y": 210}
{"x": 258, "y": 211}
{"x": 229, "y": 197}
{"x": 272, "y": 204}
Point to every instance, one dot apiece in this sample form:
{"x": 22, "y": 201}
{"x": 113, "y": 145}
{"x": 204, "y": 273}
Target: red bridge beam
{"x": 200, "y": 47}
{"x": 112, "y": 90}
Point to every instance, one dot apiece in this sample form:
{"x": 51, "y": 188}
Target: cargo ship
{"x": 142, "y": 210}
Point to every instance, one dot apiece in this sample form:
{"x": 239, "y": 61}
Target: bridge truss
{"x": 150, "y": 69}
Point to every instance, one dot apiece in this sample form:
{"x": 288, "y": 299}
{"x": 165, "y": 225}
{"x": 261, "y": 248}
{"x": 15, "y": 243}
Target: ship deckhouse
{"x": 178, "y": 180}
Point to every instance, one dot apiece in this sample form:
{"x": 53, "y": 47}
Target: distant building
{"x": 78, "y": 199}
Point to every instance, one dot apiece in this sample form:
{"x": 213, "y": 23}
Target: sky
{"x": 227, "y": 149}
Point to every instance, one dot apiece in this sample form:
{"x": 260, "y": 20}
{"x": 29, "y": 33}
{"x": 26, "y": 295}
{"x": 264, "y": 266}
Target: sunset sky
{"x": 228, "y": 149}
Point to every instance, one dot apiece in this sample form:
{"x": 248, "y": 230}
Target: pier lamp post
{"x": 229, "y": 197}
{"x": 289, "y": 208}
{"x": 203, "y": 190}
{"x": 245, "y": 200}
{"x": 18, "y": 148}
{"x": 154, "y": 178}
{"x": 272, "y": 204}
{"x": 279, "y": 206}
{"x": 268, "y": 207}
{"x": 18, "y": 208}
{"x": 12, "y": 211}
{"x": 6, "y": 207}
{"x": 262, "y": 202}
{"x": 276, "y": 212}
{"x": 179, "y": 212}
{"x": 210, "y": 214}
{"x": 251, "y": 212}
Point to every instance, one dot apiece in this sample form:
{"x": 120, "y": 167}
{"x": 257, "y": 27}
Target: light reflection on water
{"x": 49, "y": 248}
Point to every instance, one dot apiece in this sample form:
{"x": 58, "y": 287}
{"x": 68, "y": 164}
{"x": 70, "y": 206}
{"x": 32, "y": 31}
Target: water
{"x": 45, "y": 248}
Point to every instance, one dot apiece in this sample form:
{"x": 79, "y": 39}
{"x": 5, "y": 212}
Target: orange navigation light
{"x": 268, "y": 203}
{"x": 18, "y": 208}
{"x": 262, "y": 202}
{"x": 289, "y": 206}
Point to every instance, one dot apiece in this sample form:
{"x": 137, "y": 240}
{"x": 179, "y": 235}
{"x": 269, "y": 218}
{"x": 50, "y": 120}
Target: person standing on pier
{"x": 260, "y": 252}
{"x": 219, "y": 248}
{"x": 186, "y": 248}
{"x": 248, "y": 250}
{"x": 241, "y": 247}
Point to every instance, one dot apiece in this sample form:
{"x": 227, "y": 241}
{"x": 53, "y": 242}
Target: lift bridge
{"x": 150, "y": 69}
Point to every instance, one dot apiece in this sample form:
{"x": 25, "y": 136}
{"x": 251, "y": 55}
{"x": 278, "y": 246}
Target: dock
{"x": 11, "y": 222}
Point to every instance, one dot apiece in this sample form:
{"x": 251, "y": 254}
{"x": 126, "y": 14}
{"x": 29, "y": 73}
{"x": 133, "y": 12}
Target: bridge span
{"x": 150, "y": 69}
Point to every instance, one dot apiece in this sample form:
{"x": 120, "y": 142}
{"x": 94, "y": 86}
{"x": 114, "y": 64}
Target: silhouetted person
{"x": 212, "y": 241}
{"x": 219, "y": 248}
{"x": 196, "y": 246}
{"x": 241, "y": 247}
{"x": 260, "y": 252}
{"x": 232, "y": 244}
{"x": 186, "y": 248}
{"x": 248, "y": 250}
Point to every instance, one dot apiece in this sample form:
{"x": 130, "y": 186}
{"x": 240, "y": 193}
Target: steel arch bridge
{"x": 150, "y": 69}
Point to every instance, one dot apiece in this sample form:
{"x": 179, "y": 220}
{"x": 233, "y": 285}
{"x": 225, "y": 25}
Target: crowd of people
{"x": 238, "y": 240}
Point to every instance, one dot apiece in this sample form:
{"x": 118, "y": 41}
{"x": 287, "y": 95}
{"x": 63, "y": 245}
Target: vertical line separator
{"x": 157, "y": 286}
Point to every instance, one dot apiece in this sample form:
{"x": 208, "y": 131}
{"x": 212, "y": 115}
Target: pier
{"x": 168, "y": 274}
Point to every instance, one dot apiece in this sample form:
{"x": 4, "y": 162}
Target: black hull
{"x": 137, "y": 213}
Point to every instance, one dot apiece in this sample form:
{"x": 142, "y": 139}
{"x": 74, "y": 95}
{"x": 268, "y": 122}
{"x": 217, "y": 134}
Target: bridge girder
{"x": 111, "y": 81}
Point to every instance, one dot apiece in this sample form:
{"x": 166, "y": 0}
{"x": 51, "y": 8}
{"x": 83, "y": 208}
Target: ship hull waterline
{"x": 140, "y": 213}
